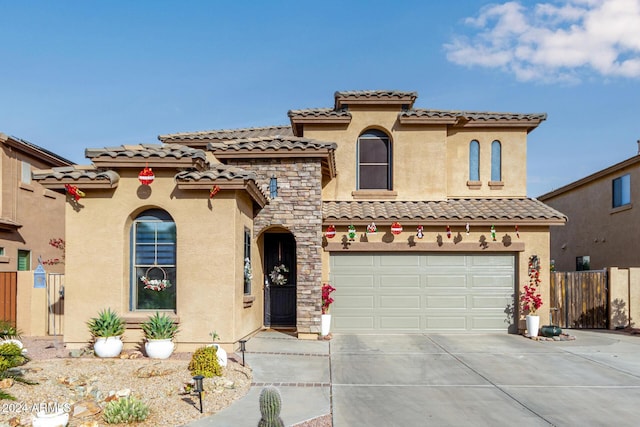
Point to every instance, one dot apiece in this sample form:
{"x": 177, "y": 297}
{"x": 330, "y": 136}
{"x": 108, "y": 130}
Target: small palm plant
{"x": 107, "y": 324}
{"x": 159, "y": 327}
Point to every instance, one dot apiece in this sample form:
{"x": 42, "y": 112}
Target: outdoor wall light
{"x": 198, "y": 388}
{"x": 243, "y": 349}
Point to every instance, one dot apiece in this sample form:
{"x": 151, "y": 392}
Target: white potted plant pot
{"x": 325, "y": 325}
{"x": 533, "y": 325}
{"x": 221, "y": 353}
{"x": 54, "y": 419}
{"x": 107, "y": 346}
{"x": 159, "y": 349}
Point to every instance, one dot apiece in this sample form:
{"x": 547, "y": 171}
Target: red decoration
{"x": 326, "y": 297}
{"x": 331, "y": 232}
{"x": 146, "y": 176}
{"x": 74, "y": 192}
{"x": 371, "y": 228}
{"x": 517, "y": 232}
{"x": 448, "y": 232}
{"x": 214, "y": 191}
{"x": 420, "y": 232}
{"x": 396, "y": 228}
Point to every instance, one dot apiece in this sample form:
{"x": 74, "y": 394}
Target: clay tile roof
{"x": 279, "y": 142}
{"x": 485, "y": 210}
{"x": 88, "y": 176}
{"x": 316, "y": 113}
{"x": 227, "y": 134}
{"x": 472, "y": 115}
{"x": 146, "y": 151}
{"x": 216, "y": 171}
{"x": 375, "y": 94}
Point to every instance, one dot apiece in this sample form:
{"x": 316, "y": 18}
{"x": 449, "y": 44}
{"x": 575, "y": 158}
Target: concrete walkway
{"x": 300, "y": 370}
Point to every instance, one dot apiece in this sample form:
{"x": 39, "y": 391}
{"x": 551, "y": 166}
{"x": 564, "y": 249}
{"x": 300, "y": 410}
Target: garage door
{"x": 422, "y": 292}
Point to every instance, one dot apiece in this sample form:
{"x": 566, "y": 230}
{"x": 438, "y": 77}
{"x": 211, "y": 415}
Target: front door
{"x": 280, "y": 280}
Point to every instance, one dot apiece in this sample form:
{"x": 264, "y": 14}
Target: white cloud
{"x": 553, "y": 41}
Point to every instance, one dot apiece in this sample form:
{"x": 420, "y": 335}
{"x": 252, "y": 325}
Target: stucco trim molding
{"x": 249, "y": 186}
{"x": 413, "y": 246}
{"x": 374, "y": 194}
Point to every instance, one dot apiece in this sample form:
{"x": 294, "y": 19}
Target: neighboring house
{"x": 602, "y": 230}
{"x": 454, "y": 181}
{"x": 31, "y": 215}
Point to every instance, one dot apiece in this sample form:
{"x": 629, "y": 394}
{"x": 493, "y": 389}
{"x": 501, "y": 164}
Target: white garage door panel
{"x": 395, "y": 292}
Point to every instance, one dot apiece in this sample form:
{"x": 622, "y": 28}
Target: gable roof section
{"x": 523, "y": 211}
{"x": 152, "y": 155}
{"x": 84, "y": 176}
{"x": 278, "y": 147}
{"x": 204, "y": 137}
{"x": 34, "y": 150}
{"x": 611, "y": 170}
{"x": 224, "y": 176}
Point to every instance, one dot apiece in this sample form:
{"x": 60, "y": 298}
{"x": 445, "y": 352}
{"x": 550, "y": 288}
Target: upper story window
{"x": 474, "y": 161}
{"x": 153, "y": 285}
{"x": 374, "y": 161}
{"x": 25, "y": 175}
{"x": 622, "y": 191}
{"x": 496, "y": 161}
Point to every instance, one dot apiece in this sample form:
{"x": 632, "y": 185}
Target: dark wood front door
{"x": 280, "y": 298}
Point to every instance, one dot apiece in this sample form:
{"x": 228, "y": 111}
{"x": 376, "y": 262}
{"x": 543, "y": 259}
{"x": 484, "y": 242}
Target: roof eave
{"x": 247, "y": 185}
{"x": 436, "y": 222}
{"x": 84, "y": 183}
{"x": 153, "y": 162}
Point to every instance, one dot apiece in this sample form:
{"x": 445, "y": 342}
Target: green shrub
{"x": 8, "y": 331}
{"x": 11, "y": 356}
{"x": 107, "y": 324}
{"x": 205, "y": 362}
{"x": 125, "y": 410}
{"x": 159, "y": 327}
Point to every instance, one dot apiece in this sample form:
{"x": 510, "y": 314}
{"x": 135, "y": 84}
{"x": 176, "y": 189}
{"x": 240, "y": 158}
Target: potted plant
{"x": 159, "y": 330}
{"x": 107, "y": 329}
{"x": 531, "y": 299}
{"x": 220, "y": 352}
{"x": 325, "y": 324}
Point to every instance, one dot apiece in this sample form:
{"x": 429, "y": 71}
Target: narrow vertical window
{"x": 154, "y": 261}
{"x": 248, "y": 274}
{"x": 374, "y": 161}
{"x": 621, "y": 191}
{"x": 273, "y": 187}
{"x": 474, "y": 161}
{"x": 25, "y": 176}
{"x": 496, "y": 161}
{"x": 24, "y": 260}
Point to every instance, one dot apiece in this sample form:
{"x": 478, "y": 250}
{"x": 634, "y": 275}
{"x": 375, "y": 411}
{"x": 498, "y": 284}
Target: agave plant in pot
{"x": 159, "y": 330}
{"x": 107, "y": 329}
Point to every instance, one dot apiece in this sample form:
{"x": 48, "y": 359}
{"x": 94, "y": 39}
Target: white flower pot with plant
{"x": 107, "y": 329}
{"x": 220, "y": 352}
{"x": 325, "y": 318}
{"x": 159, "y": 330}
{"x": 531, "y": 299}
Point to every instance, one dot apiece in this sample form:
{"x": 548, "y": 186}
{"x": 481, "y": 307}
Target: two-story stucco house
{"x": 418, "y": 217}
{"x": 602, "y": 230}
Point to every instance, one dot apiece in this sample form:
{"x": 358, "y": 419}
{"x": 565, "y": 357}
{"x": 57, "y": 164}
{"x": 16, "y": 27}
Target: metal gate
{"x": 8, "y": 296}
{"x": 55, "y": 304}
{"x": 579, "y": 299}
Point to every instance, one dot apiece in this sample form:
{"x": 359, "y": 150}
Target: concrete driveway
{"x": 485, "y": 380}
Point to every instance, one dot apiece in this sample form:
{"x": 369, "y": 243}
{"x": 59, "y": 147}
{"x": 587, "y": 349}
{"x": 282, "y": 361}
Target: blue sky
{"x": 80, "y": 74}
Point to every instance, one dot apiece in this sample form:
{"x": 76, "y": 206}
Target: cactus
{"x": 270, "y": 405}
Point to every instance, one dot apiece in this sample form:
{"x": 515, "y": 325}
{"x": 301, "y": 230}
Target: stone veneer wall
{"x": 297, "y": 208}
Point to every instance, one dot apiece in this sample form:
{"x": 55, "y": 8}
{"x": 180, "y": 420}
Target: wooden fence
{"x": 579, "y": 299}
{"x": 8, "y": 296}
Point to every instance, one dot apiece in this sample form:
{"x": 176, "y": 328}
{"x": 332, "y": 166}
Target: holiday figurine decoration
{"x": 493, "y": 233}
{"x": 214, "y": 190}
{"x": 396, "y": 228}
{"x": 448, "y": 232}
{"x": 146, "y": 176}
{"x": 466, "y": 227}
{"x": 331, "y": 232}
{"x": 352, "y": 232}
{"x": 420, "y": 233}
{"x": 74, "y": 192}
{"x": 371, "y": 228}
{"x": 517, "y": 232}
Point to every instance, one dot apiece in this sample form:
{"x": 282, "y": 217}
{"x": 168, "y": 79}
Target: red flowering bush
{"x": 326, "y": 297}
{"x": 531, "y": 299}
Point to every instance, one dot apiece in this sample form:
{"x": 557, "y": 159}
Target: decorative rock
{"x": 6, "y": 383}
{"x": 89, "y": 424}
{"x": 125, "y": 392}
{"x": 85, "y": 409}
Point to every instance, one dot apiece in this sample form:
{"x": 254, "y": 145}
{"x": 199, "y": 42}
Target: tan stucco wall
{"x": 608, "y": 236}
{"x": 209, "y": 259}
{"x": 32, "y": 306}
{"x": 38, "y": 210}
{"x": 429, "y": 162}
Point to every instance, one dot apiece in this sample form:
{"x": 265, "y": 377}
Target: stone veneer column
{"x": 297, "y": 208}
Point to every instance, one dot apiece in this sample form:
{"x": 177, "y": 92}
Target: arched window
{"x": 374, "y": 161}
{"x": 153, "y": 258}
{"x": 496, "y": 161}
{"x": 474, "y": 161}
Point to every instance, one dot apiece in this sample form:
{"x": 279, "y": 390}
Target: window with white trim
{"x": 621, "y": 191}
{"x": 374, "y": 161}
{"x": 474, "y": 161}
{"x": 496, "y": 161}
